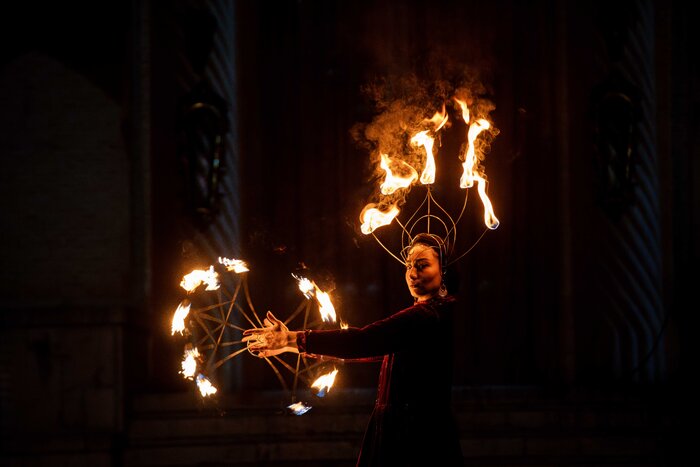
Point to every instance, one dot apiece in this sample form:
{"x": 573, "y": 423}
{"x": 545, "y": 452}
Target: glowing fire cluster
{"x": 400, "y": 175}
{"x": 192, "y": 360}
{"x": 195, "y": 363}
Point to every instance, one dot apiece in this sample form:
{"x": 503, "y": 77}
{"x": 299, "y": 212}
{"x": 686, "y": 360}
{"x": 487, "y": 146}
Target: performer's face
{"x": 423, "y": 274}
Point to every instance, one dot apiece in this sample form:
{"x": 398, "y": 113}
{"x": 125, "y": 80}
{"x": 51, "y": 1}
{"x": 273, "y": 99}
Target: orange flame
{"x": 205, "y": 386}
{"x": 178, "y": 324}
{"x": 325, "y": 306}
{"x": 465, "y": 110}
{"x": 489, "y": 217}
{"x": 189, "y": 363}
{"x": 469, "y": 174}
{"x": 394, "y": 182}
{"x": 236, "y": 265}
{"x": 439, "y": 119}
{"x": 325, "y": 382}
{"x": 470, "y": 159}
{"x": 307, "y": 287}
{"x": 194, "y": 279}
{"x": 422, "y": 139}
{"x": 372, "y": 218}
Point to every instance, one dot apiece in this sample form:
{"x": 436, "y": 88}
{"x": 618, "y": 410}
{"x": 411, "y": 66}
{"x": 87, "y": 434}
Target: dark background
{"x": 576, "y": 312}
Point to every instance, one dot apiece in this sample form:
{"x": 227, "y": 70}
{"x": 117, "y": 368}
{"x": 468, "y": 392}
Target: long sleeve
{"x": 402, "y": 331}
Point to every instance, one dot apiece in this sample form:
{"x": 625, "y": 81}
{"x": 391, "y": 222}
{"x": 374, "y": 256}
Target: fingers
{"x": 272, "y": 318}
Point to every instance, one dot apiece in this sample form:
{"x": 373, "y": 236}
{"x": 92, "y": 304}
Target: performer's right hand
{"x": 273, "y": 339}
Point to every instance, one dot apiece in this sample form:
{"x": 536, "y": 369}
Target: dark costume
{"x": 412, "y": 423}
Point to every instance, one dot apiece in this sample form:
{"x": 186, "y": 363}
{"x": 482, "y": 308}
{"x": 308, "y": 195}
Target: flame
{"x": 307, "y": 287}
{"x": 394, "y": 182}
{"x": 178, "y": 324}
{"x": 344, "y": 325}
{"x": 324, "y": 383}
{"x": 465, "y": 110}
{"x": 470, "y": 159}
{"x": 194, "y": 279}
{"x": 325, "y": 306}
{"x": 469, "y": 175}
{"x": 189, "y": 363}
{"x": 205, "y": 386}
{"x": 439, "y": 119}
{"x": 236, "y": 265}
{"x": 422, "y": 139}
{"x": 372, "y": 218}
{"x": 298, "y": 408}
{"x": 489, "y": 217}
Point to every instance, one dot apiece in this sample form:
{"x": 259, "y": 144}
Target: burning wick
{"x": 183, "y": 309}
{"x": 205, "y": 386}
{"x": 189, "y": 363}
{"x": 194, "y": 279}
{"x": 306, "y": 286}
{"x": 236, "y": 265}
{"x": 325, "y": 306}
{"x": 324, "y": 383}
{"x": 372, "y": 218}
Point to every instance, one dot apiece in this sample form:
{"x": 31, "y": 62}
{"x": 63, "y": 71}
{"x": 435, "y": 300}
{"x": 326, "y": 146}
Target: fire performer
{"x": 412, "y": 422}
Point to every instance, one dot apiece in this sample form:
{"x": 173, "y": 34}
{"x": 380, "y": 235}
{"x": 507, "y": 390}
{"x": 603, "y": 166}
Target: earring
{"x": 443, "y": 290}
